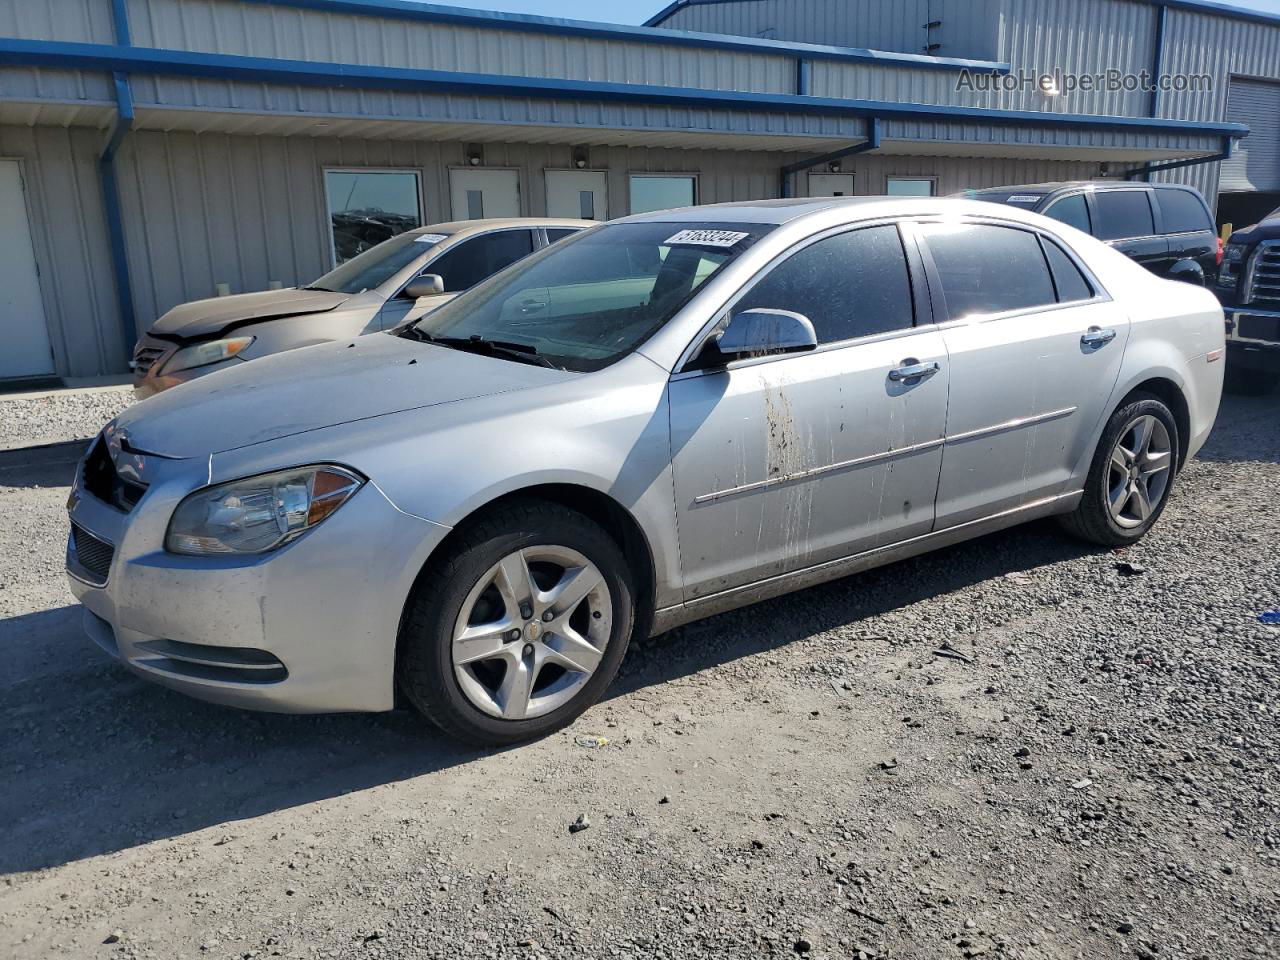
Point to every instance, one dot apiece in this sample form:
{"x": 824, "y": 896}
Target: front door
{"x": 1034, "y": 360}
{"x": 26, "y": 350}
{"x": 477, "y": 194}
{"x": 785, "y": 462}
{"x": 578, "y": 194}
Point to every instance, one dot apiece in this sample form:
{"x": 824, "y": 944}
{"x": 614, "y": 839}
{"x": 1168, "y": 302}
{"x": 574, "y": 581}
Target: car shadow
{"x": 100, "y": 760}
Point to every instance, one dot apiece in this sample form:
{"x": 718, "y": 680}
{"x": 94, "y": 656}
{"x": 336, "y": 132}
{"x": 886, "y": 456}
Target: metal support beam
{"x": 871, "y": 143}
{"x": 122, "y": 124}
{"x": 802, "y": 77}
{"x": 1228, "y": 150}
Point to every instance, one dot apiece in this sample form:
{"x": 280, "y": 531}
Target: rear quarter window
{"x": 1073, "y": 211}
{"x": 988, "y": 269}
{"x": 1182, "y": 212}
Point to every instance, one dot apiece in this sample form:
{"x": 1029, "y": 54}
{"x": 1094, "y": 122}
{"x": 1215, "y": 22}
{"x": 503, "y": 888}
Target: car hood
{"x": 322, "y": 386}
{"x": 203, "y": 318}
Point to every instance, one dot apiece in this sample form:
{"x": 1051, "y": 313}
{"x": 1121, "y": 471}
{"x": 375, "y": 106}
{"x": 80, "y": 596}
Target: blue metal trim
{"x": 120, "y": 19}
{"x": 1228, "y": 150}
{"x": 1157, "y": 59}
{"x": 149, "y": 60}
{"x": 496, "y": 20}
{"x": 803, "y": 73}
{"x": 111, "y": 188}
{"x": 1208, "y": 7}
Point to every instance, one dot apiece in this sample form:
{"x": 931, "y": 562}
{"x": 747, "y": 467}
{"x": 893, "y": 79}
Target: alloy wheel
{"x": 1140, "y": 471}
{"x": 531, "y": 632}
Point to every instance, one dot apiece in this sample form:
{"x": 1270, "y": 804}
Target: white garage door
{"x": 24, "y": 339}
{"x": 1256, "y": 163}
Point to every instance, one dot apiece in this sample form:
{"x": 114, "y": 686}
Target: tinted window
{"x": 1183, "y": 212}
{"x": 661, "y": 193}
{"x": 851, "y": 285}
{"x": 909, "y": 187}
{"x": 1067, "y": 277}
{"x": 473, "y": 260}
{"x": 987, "y": 269}
{"x": 559, "y": 233}
{"x": 1123, "y": 213}
{"x": 1072, "y": 210}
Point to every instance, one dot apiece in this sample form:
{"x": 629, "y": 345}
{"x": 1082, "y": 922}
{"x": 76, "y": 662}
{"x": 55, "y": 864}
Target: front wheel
{"x": 1131, "y": 476}
{"x": 519, "y": 628}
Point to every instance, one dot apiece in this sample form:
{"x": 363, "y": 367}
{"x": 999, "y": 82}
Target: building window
{"x": 369, "y": 206}
{"x": 662, "y": 193}
{"x": 910, "y": 186}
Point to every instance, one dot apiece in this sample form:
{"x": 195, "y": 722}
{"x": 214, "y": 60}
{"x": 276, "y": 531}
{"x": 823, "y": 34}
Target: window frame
{"x": 934, "y": 277}
{"x": 536, "y": 238}
{"x": 1158, "y": 209}
{"x": 1054, "y": 199}
{"x": 328, "y": 203}
{"x": 1095, "y": 200}
{"x": 921, "y": 307}
{"x": 664, "y": 175}
{"x": 931, "y": 179}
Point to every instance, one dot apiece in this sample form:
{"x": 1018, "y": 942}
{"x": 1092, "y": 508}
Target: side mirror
{"x": 425, "y": 285}
{"x": 761, "y": 332}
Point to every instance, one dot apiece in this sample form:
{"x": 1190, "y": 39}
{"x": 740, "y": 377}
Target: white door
{"x": 484, "y": 193}
{"x": 581, "y": 194}
{"x": 26, "y": 350}
{"x": 831, "y": 184}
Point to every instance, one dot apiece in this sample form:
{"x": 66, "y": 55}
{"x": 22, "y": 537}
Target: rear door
{"x": 1034, "y": 348}
{"x": 1125, "y": 220}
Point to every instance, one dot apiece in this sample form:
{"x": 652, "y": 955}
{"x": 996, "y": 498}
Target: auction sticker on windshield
{"x": 707, "y": 238}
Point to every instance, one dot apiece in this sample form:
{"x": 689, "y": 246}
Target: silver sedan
{"x": 653, "y": 421}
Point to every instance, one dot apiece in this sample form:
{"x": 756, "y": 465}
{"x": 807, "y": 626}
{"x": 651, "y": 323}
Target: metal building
{"x": 157, "y": 151}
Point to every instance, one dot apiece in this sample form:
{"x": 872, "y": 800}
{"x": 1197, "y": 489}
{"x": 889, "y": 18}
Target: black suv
{"x": 1163, "y": 226}
{"x": 1249, "y": 288}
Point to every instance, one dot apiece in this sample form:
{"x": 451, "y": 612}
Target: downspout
{"x": 111, "y": 189}
{"x": 871, "y": 143}
{"x": 1157, "y": 68}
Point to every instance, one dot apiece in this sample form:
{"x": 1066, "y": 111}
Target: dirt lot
{"x": 1019, "y": 747}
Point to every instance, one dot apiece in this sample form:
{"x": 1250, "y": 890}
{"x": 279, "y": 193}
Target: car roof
{"x": 501, "y": 223}
{"x": 786, "y": 211}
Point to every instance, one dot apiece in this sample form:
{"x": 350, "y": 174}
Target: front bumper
{"x": 308, "y": 628}
{"x": 1253, "y": 338}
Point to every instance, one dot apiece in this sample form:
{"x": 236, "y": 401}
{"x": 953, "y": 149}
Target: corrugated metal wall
{"x": 261, "y": 30}
{"x": 70, "y": 239}
{"x": 967, "y": 29}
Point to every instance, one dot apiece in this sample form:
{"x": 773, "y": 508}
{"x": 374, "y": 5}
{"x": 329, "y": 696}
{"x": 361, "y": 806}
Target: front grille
{"x": 90, "y": 557}
{"x": 144, "y": 358}
{"x": 102, "y": 481}
{"x": 1264, "y": 285}
{"x": 1258, "y": 328}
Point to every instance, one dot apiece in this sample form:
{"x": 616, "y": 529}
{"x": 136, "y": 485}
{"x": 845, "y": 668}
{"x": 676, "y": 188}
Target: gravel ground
{"x": 1018, "y": 747}
{"x": 59, "y": 416}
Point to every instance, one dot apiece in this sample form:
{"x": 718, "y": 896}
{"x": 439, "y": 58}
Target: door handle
{"x": 532, "y": 306}
{"x": 1097, "y": 337}
{"x": 913, "y": 369}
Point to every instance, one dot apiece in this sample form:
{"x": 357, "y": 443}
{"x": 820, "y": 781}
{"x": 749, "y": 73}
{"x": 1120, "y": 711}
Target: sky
{"x": 637, "y": 11}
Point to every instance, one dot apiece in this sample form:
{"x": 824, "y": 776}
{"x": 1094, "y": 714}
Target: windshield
{"x": 588, "y": 300}
{"x": 376, "y": 266}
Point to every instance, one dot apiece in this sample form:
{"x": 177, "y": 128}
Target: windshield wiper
{"x": 313, "y": 286}
{"x": 522, "y": 352}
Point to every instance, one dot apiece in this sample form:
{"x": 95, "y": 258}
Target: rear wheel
{"x": 1131, "y": 476}
{"x": 520, "y": 628}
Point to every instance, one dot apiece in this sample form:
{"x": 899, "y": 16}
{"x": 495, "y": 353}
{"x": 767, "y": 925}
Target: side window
{"x": 988, "y": 269}
{"x": 1183, "y": 212}
{"x": 480, "y": 258}
{"x": 851, "y": 285}
{"x": 1073, "y": 210}
{"x": 1123, "y": 214}
{"x": 559, "y": 233}
{"x": 1071, "y": 283}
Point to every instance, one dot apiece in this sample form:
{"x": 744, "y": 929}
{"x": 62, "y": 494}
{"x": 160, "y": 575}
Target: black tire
{"x": 425, "y": 669}
{"x": 1092, "y": 519}
{"x": 1250, "y": 383}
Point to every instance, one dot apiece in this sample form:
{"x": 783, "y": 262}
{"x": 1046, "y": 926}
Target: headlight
{"x": 202, "y": 354}
{"x": 261, "y": 513}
